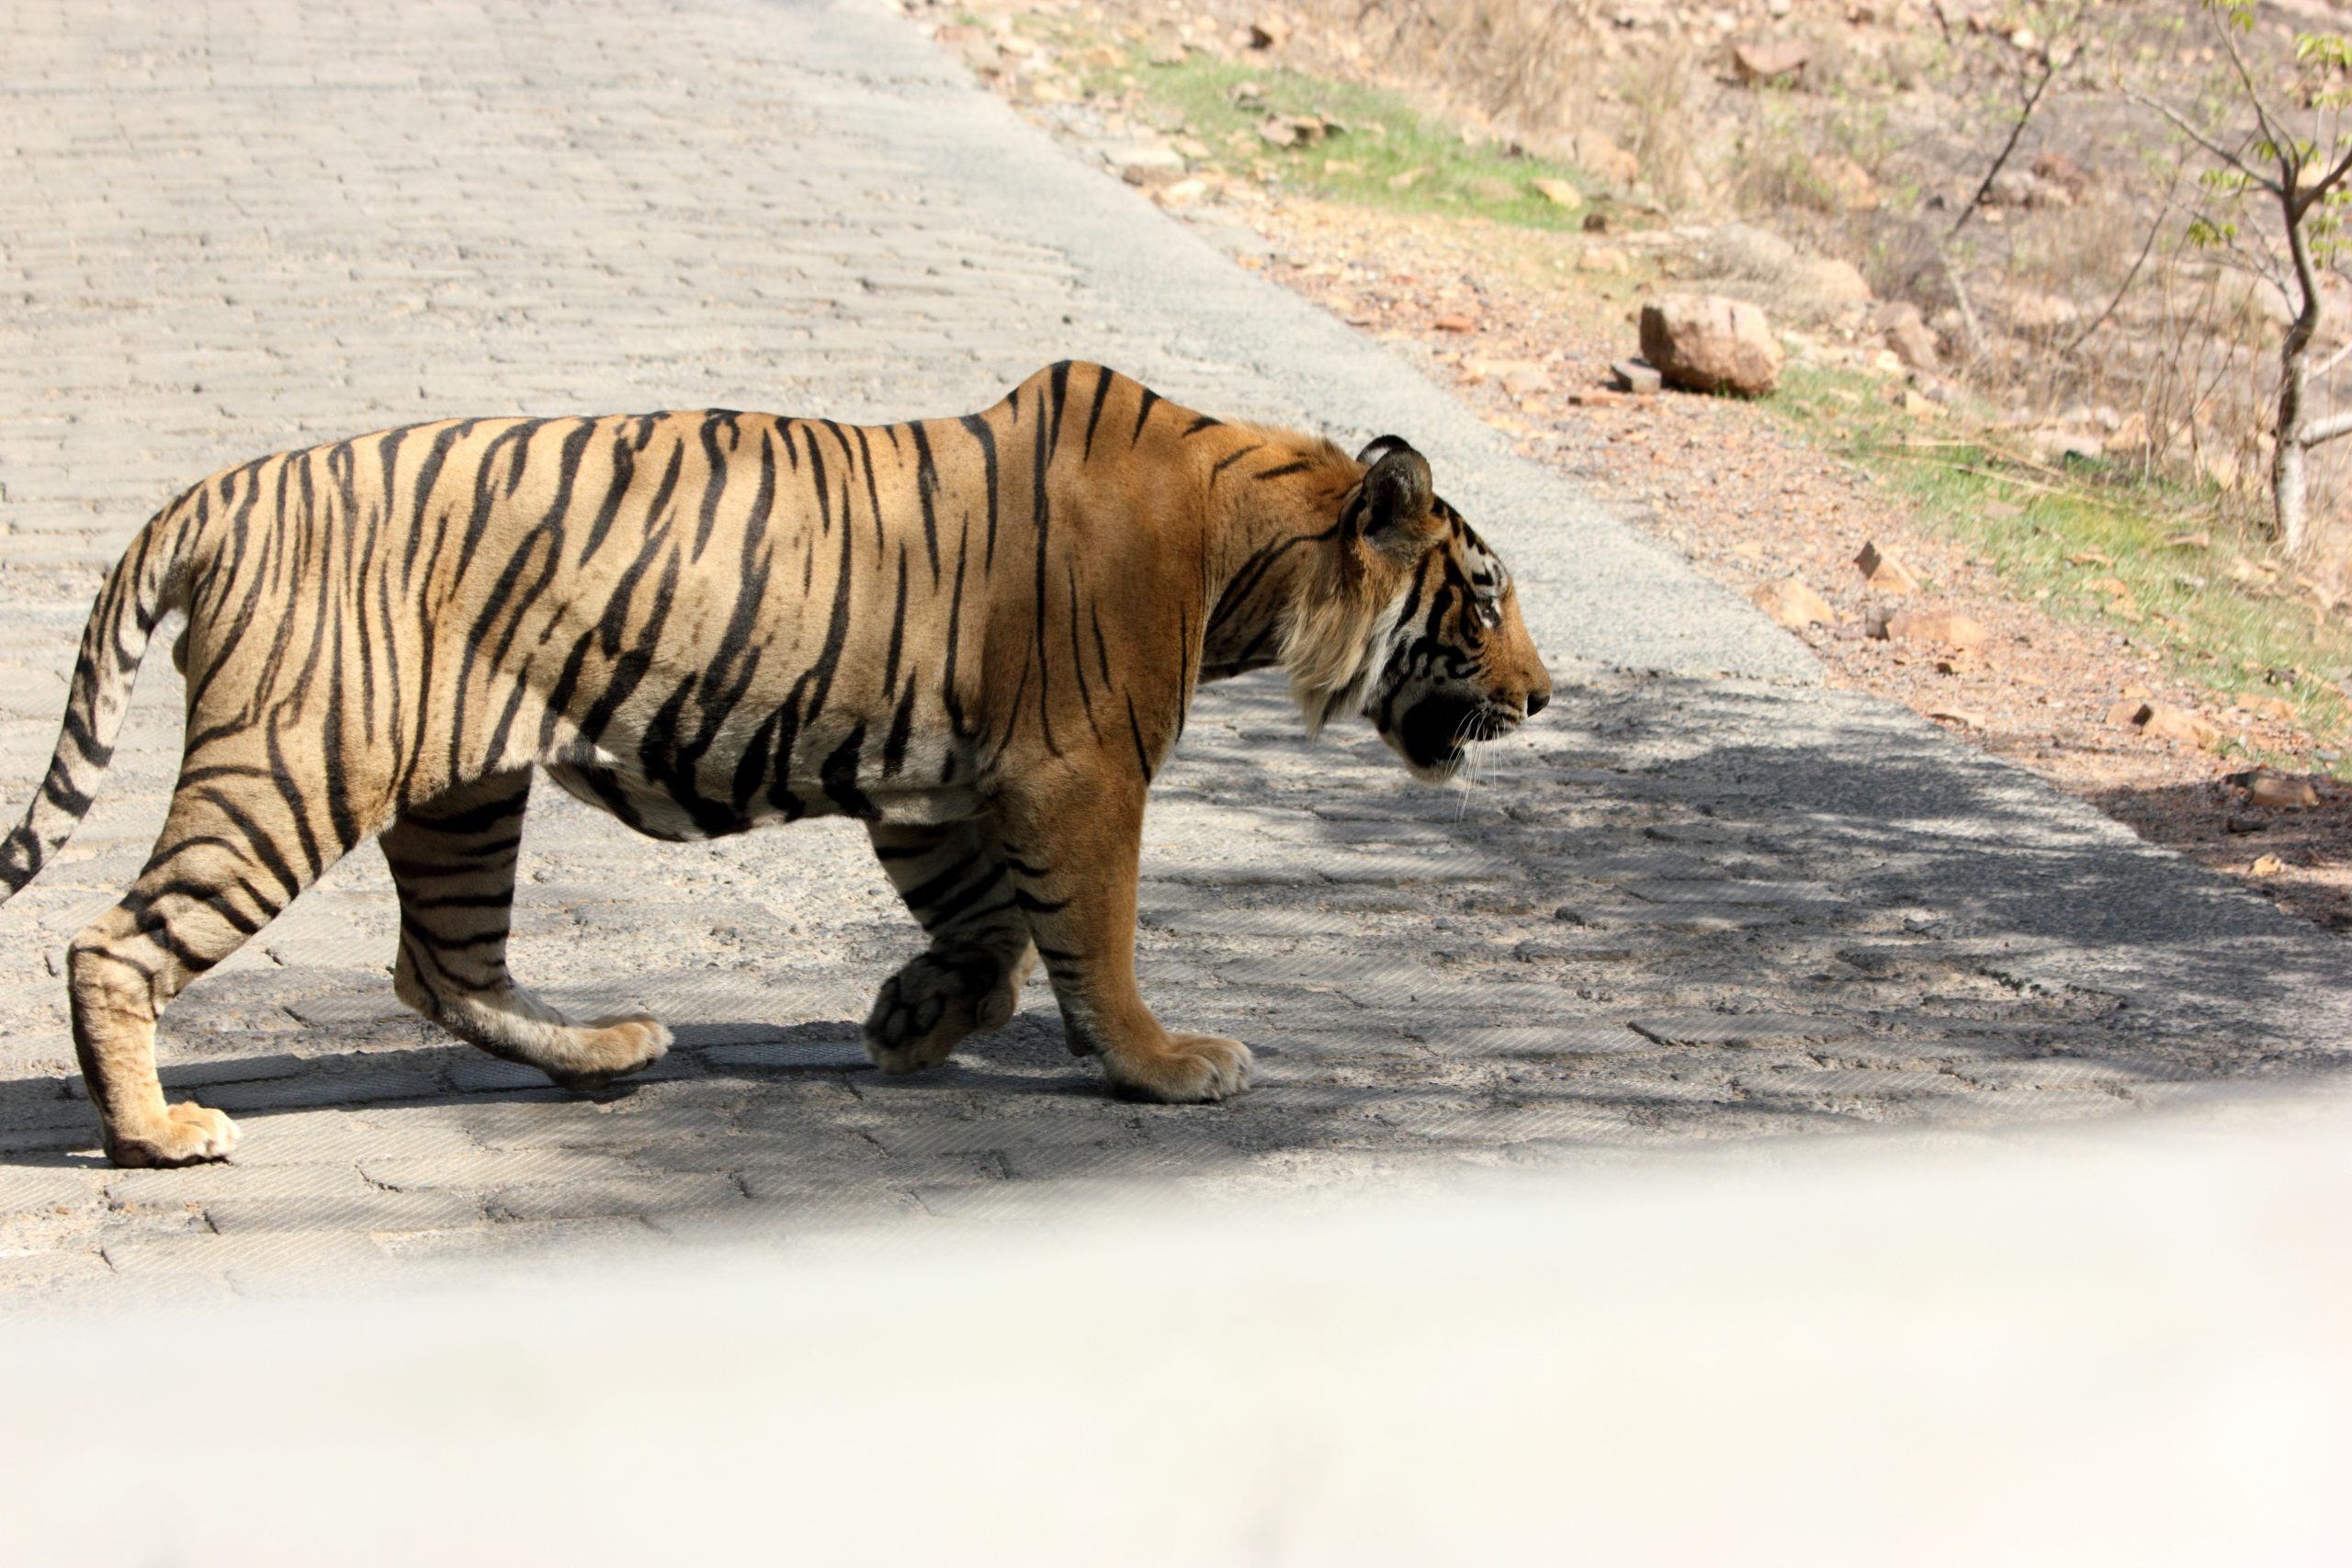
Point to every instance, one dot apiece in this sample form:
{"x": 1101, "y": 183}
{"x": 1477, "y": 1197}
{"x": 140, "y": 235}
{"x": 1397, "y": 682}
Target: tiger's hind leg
{"x": 453, "y": 861}
{"x": 954, "y": 879}
{"x": 235, "y": 851}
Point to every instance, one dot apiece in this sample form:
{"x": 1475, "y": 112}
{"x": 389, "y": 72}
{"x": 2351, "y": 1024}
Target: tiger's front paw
{"x": 1188, "y": 1069}
{"x": 925, "y": 1009}
{"x": 920, "y": 1014}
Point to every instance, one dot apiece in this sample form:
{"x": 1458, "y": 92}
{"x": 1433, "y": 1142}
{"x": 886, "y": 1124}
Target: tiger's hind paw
{"x": 186, "y": 1133}
{"x": 604, "y": 1049}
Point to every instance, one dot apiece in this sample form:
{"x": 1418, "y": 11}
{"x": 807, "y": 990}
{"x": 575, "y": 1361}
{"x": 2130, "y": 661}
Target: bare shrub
{"x": 1521, "y": 61}
{"x": 1659, "y": 87}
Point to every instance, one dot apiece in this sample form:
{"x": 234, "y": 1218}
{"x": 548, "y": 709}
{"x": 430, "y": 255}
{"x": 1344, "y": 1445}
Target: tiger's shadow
{"x": 48, "y": 1121}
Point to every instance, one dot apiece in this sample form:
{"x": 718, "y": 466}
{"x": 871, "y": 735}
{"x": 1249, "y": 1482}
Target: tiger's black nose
{"x": 1536, "y": 701}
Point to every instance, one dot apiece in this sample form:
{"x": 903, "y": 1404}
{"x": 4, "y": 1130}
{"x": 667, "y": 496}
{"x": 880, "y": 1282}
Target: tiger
{"x": 979, "y": 636}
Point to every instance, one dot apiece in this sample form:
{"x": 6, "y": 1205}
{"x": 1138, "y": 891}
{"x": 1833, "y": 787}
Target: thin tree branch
{"x": 2264, "y": 181}
{"x": 2283, "y": 145}
{"x": 2327, "y": 430}
{"x": 2333, "y": 178}
{"x": 2016, "y": 133}
{"x": 2325, "y": 366}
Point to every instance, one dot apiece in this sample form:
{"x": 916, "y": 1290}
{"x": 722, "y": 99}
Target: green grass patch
{"x": 1385, "y": 154}
{"x": 2190, "y": 603}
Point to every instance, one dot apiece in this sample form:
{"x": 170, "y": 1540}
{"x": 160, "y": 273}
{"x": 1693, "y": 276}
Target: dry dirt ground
{"x": 1524, "y": 326}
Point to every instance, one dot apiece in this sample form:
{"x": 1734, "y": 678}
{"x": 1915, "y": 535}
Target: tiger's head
{"x": 1414, "y": 623}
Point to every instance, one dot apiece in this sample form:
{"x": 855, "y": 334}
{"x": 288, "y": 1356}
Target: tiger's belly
{"x": 665, "y": 809}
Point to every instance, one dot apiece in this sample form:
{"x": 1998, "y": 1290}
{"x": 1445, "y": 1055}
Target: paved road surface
{"x": 1703, "y": 898}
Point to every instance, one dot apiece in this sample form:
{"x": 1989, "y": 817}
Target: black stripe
{"x": 1077, "y": 659}
{"x": 717, "y": 487}
{"x": 478, "y": 819}
{"x": 873, "y": 499}
{"x": 1230, "y": 458}
{"x": 838, "y": 776}
{"x": 261, "y": 848}
{"x": 898, "y": 627}
{"x": 936, "y": 885}
{"x": 1043, "y": 508}
{"x": 1094, "y": 415}
{"x": 949, "y": 908}
{"x": 981, "y": 432}
{"x": 1059, "y": 380}
{"x": 1143, "y": 757}
{"x": 824, "y": 491}
{"x": 894, "y": 746}
{"x": 457, "y": 900}
{"x": 57, "y": 789}
{"x": 926, "y": 485}
{"x": 1101, "y": 653}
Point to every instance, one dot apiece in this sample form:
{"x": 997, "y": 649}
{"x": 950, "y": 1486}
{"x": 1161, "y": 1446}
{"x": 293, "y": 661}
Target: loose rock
{"x": 1559, "y": 193}
{"x": 1636, "y": 376}
{"x": 2162, "y": 721}
{"x": 1948, "y": 626}
{"x": 1136, "y": 162}
{"x": 2277, "y": 791}
{"x": 1907, "y": 334}
{"x": 1769, "y": 59}
{"x": 1297, "y": 129}
{"x": 1706, "y": 343}
{"x": 1793, "y": 605}
{"x": 2278, "y": 708}
{"x": 2042, "y": 313}
{"x": 1833, "y": 280}
{"x": 1883, "y": 572}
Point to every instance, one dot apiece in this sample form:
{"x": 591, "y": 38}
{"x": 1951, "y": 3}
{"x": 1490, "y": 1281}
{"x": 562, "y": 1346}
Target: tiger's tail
{"x": 137, "y": 594}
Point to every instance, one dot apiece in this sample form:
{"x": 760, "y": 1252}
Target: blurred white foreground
{"x": 2128, "y": 1344}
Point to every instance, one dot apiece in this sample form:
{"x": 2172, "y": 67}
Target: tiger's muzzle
{"x": 1437, "y": 732}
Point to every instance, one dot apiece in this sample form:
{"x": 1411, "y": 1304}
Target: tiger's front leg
{"x": 954, "y": 881}
{"x": 1073, "y": 845}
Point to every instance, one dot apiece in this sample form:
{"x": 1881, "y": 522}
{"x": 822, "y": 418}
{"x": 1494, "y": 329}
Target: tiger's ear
{"x": 1397, "y": 495}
